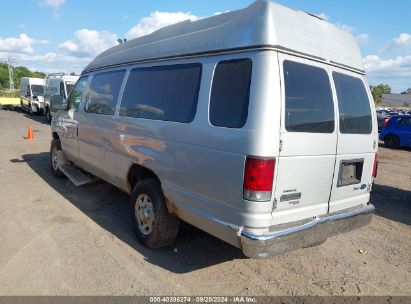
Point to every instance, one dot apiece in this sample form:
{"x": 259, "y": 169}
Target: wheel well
{"x": 55, "y": 135}
{"x": 138, "y": 173}
{"x": 391, "y": 134}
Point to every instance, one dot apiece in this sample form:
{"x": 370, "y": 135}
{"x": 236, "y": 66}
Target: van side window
{"x": 309, "y": 103}
{"x": 230, "y": 93}
{"x": 353, "y": 104}
{"x": 102, "y": 95}
{"x": 167, "y": 93}
{"x": 75, "y": 96}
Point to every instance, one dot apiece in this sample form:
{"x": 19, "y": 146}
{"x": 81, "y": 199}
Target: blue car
{"x": 397, "y": 132}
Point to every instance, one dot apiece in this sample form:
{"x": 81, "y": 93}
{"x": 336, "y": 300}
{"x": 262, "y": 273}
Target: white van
{"x": 32, "y": 94}
{"x": 256, "y": 126}
{"x": 57, "y": 84}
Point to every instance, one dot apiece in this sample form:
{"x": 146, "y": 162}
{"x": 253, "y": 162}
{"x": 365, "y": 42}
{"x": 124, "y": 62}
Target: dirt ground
{"x": 56, "y": 239}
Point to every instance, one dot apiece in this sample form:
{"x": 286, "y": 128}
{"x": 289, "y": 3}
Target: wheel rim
{"x": 54, "y": 160}
{"x": 144, "y": 213}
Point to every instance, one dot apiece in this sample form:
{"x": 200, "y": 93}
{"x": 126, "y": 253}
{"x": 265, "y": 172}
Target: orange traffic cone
{"x": 30, "y": 134}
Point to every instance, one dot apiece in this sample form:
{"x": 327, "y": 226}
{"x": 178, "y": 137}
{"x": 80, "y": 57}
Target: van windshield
{"x": 69, "y": 87}
{"x": 37, "y": 90}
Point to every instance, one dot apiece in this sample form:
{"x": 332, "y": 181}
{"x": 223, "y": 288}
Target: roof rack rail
{"x": 56, "y": 74}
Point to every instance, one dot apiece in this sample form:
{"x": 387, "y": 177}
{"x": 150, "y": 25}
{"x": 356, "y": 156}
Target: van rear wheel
{"x": 154, "y": 225}
{"x": 391, "y": 141}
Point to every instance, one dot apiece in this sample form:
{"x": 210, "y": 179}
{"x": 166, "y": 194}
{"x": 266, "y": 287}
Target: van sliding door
{"x": 308, "y": 140}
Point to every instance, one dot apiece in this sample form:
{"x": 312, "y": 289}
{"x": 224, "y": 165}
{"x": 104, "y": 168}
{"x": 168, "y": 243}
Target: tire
{"x": 55, "y": 146}
{"x": 392, "y": 141}
{"x": 48, "y": 115}
{"x": 30, "y": 110}
{"x": 154, "y": 226}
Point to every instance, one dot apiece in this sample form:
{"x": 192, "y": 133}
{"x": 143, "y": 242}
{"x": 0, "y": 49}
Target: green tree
{"x": 18, "y": 73}
{"x": 378, "y": 90}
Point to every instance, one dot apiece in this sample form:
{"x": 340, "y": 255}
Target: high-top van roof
{"x": 263, "y": 24}
{"x": 63, "y": 76}
{"x": 33, "y": 80}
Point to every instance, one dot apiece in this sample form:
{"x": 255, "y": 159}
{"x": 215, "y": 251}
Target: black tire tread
{"x": 394, "y": 144}
{"x": 165, "y": 225}
{"x": 57, "y": 173}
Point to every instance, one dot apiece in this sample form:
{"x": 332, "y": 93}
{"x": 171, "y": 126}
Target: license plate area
{"x": 350, "y": 172}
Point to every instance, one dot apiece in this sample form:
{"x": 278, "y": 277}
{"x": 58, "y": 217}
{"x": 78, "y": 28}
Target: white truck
{"x": 57, "y": 84}
{"x": 32, "y": 95}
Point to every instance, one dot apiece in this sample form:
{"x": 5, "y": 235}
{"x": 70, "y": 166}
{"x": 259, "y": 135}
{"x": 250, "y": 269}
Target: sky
{"x": 65, "y": 35}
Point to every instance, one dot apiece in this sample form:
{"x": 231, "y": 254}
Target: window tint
{"x": 353, "y": 104}
{"x": 76, "y": 93}
{"x": 162, "y": 93}
{"x": 103, "y": 93}
{"x": 62, "y": 93}
{"x": 405, "y": 121}
{"x": 308, "y": 99}
{"x": 230, "y": 93}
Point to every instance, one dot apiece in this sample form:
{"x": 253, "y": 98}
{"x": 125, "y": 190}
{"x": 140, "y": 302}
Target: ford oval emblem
{"x": 363, "y": 186}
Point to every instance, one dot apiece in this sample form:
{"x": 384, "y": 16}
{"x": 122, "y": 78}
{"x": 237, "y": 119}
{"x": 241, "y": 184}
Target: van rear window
{"x": 230, "y": 93}
{"x": 167, "y": 93}
{"x": 309, "y": 103}
{"x": 353, "y": 104}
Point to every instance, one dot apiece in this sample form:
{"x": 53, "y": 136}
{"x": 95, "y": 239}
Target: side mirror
{"x": 56, "y": 102}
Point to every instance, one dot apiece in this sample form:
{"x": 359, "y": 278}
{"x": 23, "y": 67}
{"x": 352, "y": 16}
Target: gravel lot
{"x": 60, "y": 240}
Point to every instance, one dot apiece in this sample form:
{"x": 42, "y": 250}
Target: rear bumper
{"x": 316, "y": 231}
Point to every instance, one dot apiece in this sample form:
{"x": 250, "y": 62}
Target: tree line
{"x": 18, "y": 73}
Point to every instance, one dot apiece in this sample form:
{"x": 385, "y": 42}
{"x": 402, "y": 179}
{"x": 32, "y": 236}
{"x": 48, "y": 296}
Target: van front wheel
{"x": 54, "y": 148}
{"x": 48, "y": 115}
{"x": 154, "y": 225}
{"x": 30, "y": 109}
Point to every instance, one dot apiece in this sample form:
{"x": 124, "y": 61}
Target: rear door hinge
{"x": 281, "y": 145}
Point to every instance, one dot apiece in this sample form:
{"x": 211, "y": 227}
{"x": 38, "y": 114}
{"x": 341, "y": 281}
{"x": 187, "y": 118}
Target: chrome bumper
{"x": 316, "y": 231}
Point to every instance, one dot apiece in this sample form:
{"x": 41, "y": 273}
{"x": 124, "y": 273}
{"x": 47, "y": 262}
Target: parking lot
{"x": 60, "y": 240}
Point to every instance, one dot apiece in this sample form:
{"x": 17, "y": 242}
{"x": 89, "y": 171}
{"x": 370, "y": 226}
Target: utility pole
{"x": 9, "y": 62}
{"x": 11, "y": 76}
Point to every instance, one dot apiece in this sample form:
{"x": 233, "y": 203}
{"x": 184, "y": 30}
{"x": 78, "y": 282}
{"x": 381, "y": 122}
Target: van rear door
{"x": 308, "y": 140}
{"x": 357, "y": 142}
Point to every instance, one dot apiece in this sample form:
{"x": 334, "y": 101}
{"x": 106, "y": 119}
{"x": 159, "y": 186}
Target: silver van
{"x": 57, "y": 84}
{"x": 256, "y": 126}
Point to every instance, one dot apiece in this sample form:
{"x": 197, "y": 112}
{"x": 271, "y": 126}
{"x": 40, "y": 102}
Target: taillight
{"x": 375, "y": 168}
{"x": 258, "y": 179}
{"x": 386, "y": 122}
